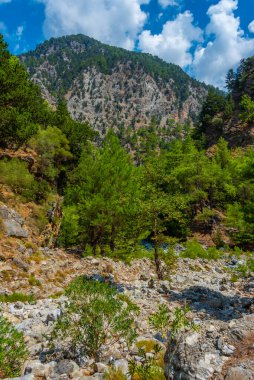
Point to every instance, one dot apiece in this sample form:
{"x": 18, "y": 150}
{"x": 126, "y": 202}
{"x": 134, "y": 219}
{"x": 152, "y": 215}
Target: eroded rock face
{"x": 128, "y": 96}
{"x": 127, "y": 90}
{"x": 219, "y": 350}
{"x": 13, "y": 223}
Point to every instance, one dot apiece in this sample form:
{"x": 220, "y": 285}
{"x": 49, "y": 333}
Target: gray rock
{"x": 201, "y": 355}
{"x": 101, "y": 367}
{"x": 122, "y": 365}
{"x": 66, "y": 367}
{"x": 38, "y": 369}
{"x": 13, "y": 222}
{"x": 14, "y": 229}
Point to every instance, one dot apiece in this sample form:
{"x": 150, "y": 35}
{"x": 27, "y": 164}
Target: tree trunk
{"x": 112, "y": 239}
{"x": 157, "y": 262}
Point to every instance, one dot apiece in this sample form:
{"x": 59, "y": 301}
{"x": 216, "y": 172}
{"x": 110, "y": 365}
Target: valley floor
{"x": 221, "y": 348}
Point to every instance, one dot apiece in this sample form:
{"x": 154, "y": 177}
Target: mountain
{"x": 112, "y": 87}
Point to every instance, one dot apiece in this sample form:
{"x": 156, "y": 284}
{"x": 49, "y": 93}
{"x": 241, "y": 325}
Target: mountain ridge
{"x": 101, "y": 83}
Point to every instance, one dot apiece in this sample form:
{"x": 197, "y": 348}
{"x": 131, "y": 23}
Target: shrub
{"x": 163, "y": 321}
{"x": 15, "y": 174}
{"x": 13, "y": 352}
{"x": 194, "y": 250}
{"x": 93, "y": 317}
{"x": 160, "y": 320}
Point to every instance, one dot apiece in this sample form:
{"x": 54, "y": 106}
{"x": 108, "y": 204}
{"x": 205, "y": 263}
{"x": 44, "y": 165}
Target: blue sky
{"x": 204, "y": 37}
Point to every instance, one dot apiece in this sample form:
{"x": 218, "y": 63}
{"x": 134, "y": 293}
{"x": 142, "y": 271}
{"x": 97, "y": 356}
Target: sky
{"x": 205, "y": 37}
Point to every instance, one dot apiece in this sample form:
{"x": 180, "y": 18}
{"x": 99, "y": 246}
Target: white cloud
{"x": 5, "y": 1}
{"x": 173, "y": 44}
{"x": 167, "y": 3}
{"x": 110, "y": 21}
{"x": 223, "y": 48}
{"x": 251, "y": 26}
{"x": 226, "y": 47}
{"x": 19, "y": 32}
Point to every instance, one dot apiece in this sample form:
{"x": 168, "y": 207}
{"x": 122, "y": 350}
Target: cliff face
{"x": 112, "y": 87}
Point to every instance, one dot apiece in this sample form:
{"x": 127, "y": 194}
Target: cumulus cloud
{"x": 167, "y": 3}
{"x": 173, "y": 44}
{"x": 111, "y": 21}
{"x": 223, "y": 46}
{"x": 251, "y": 27}
{"x": 226, "y": 45}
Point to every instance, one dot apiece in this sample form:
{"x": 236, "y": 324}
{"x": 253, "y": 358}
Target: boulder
{"x": 66, "y": 367}
{"x": 203, "y": 355}
{"x": 13, "y": 222}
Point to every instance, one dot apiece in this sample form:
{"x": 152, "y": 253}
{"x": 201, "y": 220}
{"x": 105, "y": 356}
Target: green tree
{"x": 104, "y": 194}
{"x": 247, "y": 106}
{"x": 77, "y": 133}
{"x": 52, "y": 148}
{"x": 22, "y": 108}
{"x": 160, "y": 207}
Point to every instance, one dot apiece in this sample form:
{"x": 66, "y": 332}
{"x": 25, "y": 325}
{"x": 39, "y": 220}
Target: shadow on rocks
{"x": 217, "y": 305}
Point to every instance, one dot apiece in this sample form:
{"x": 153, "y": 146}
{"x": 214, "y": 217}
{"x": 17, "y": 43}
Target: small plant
{"x": 15, "y": 297}
{"x": 164, "y": 322}
{"x": 36, "y": 257}
{"x": 149, "y": 367}
{"x": 160, "y": 320}
{"x": 146, "y": 345}
{"x": 180, "y": 321}
{"x": 242, "y": 270}
{"x": 94, "y": 316}
{"x": 13, "y": 352}
{"x": 33, "y": 281}
{"x": 114, "y": 374}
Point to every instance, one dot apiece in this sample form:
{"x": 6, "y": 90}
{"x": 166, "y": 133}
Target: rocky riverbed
{"x": 221, "y": 348}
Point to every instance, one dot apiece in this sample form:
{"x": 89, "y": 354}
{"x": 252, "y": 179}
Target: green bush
{"x": 194, "y": 250}
{"x": 93, "y": 317}
{"x": 13, "y": 352}
{"x": 15, "y": 174}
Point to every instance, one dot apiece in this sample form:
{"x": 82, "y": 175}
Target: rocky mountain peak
{"x": 112, "y": 87}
